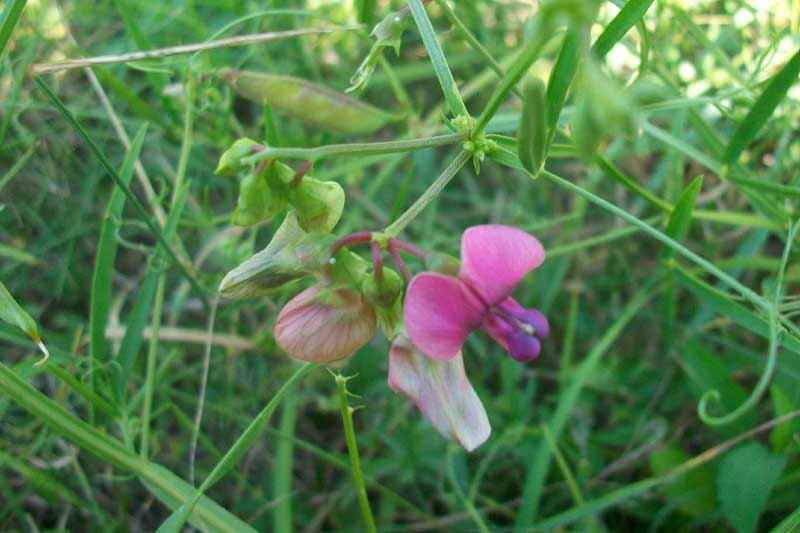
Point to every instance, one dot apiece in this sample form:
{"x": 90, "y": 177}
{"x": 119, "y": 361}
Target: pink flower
{"x": 323, "y": 324}
{"x": 441, "y": 311}
{"x": 441, "y": 390}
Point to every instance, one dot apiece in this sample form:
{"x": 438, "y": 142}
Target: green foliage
{"x": 745, "y": 479}
{"x": 670, "y": 133}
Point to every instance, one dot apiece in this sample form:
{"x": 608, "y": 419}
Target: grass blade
{"x": 440, "y": 66}
{"x": 154, "y": 229}
{"x": 102, "y": 279}
{"x": 165, "y": 485}
{"x": 762, "y": 109}
{"x": 628, "y": 16}
{"x": 539, "y": 467}
{"x": 8, "y": 21}
{"x": 232, "y": 456}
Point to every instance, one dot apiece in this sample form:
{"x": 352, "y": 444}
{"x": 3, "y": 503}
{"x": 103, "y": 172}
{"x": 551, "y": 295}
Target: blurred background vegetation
{"x": 623, "y": 381}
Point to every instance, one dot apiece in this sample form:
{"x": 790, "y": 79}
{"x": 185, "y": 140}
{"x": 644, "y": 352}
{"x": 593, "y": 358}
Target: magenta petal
{"x": 441, "y": 390}
{"x": 494, "y": 258}
{"x": 439, "y": 314}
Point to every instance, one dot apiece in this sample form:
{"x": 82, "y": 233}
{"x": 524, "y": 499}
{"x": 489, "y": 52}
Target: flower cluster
{"x": 427, "y": 317}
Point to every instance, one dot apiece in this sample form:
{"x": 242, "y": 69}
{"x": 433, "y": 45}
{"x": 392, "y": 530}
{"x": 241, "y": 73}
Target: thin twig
{"x": 198, "y": 417}
{"x": 174, "y": 334}
{"x": 241, "y": 40}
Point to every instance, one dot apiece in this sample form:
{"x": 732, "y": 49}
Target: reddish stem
{"x": 262, "y": 165}
{"x": 399, "y": 263}
{"x": 348, "y": 240}
{"x": 377, "y": 260}
{"x": 413, "y": 250}
{"x": 298, "y": 177}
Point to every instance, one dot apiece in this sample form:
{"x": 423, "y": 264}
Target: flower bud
{"x": 386, "y": 296}
{"x": 319, "y": 204}
{"x": 291, "y": 254}
{"x": 323, "y": 324}
{"x": 231, "y": 160}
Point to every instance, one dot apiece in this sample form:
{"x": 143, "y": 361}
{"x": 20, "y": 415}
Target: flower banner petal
{"x": 494, "y": 258}
{"x": 441, "y": 390}
{"x": 321, "y": 325}
{"x": 439, "y": 314}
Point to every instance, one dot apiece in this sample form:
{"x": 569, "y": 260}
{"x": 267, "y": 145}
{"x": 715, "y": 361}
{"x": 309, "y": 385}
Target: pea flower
{"x": 324, "y": 324}
{"x": 441, "y": 391}
{"x": 441, "y": 311}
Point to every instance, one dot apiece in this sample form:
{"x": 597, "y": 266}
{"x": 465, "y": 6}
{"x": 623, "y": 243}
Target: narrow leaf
{"x": 102, "y": 280}
{"x": 12, "y": 313}
{"x": 762, "y": 109}
{"x": 681, "y": 216}
{"x": 628, "y": 16}
{"x": 8, "y": 21}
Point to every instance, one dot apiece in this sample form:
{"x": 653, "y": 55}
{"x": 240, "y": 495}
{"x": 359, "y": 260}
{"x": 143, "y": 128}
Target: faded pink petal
{"x": 441, "y": 390}
{"x": 494, "y": 259}
{"x": 439, "y": 314}
{"x": 322, "y": 325}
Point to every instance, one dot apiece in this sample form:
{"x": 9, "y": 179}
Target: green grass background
{"x": 600, "y": 433}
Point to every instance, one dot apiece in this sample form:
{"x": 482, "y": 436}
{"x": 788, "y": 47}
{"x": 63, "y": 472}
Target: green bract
{"x": 258, "y": 201}
{"x": 387, "y": 33}
{"x": 319, "y": 204}
{"x": 231, "y": 160}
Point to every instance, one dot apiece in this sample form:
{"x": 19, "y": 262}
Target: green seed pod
{"x": 309, "y": 102}
{"x": 231, "y": 160}
{"x": 291, "y": 254}
{"x": 319, "y": 204}
{"x": 532, "y": 136}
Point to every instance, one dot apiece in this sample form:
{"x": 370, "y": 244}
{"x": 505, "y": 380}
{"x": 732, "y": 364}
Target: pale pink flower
{"x": 323, "y": 324}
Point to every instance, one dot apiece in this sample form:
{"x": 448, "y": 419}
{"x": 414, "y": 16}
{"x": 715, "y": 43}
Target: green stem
{"x": 352, "y": 450}
{"x": 321, "y": 152}
{"x": 150, "y": 373}
{"x": 394, "y": 229}
{"x": 748, "y": 294}
{"x": 449, "y": 87}
{"x": 772, "y": 357}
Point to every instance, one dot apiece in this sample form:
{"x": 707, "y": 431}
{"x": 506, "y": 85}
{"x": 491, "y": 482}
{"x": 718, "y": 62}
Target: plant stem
{"x": 150, "y": 372}
{"x": 352, "y": 450}
{"x": 747, "y": 293}
{"x": 321, "y": 152}
{"x": 182, "y": 49}
{"x": 428, "y": 196}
